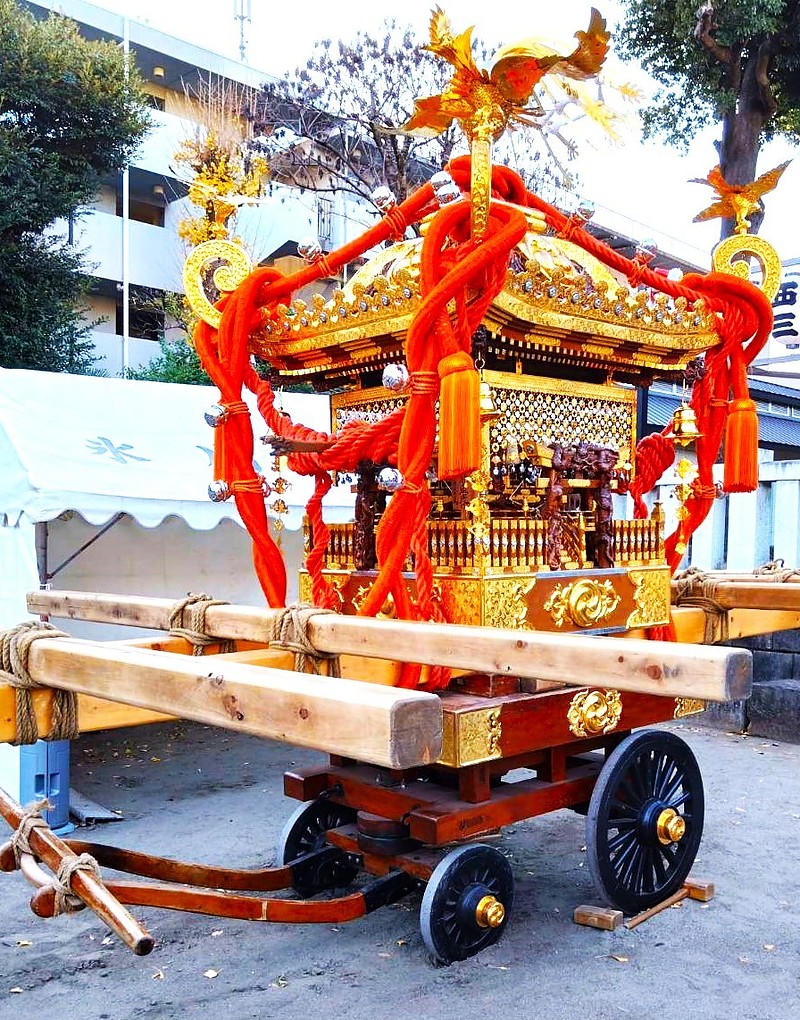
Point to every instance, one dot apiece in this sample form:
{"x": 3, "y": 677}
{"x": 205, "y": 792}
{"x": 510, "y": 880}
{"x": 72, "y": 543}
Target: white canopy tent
{"x": 103, "y": 486}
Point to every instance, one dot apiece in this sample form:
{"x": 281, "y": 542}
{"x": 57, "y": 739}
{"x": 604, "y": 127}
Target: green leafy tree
{"x": 177, "y": 363}
{"x": 71, "y": 113}
{"x": 736, "y": 62}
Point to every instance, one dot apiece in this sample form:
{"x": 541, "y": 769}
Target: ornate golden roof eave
{"x": 559, "y": 311}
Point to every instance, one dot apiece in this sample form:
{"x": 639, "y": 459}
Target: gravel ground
{"x": 190, "y": 791}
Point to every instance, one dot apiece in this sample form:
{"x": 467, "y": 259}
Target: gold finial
{"x": 485, "y": 102}
{"x": 737, "y": 201}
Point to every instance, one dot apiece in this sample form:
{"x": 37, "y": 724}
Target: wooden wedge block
{"x": 700, "y": 889}
{"x": 650, "y": 667}
{"x": 605, "y": 918}
{"x": 385, "y": 726}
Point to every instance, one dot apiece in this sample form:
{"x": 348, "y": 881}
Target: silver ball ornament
{"x": 585, "y": 209}
{"x": 395, "y": 378}
{"x": 216, "y": 415}
{"x": 310, "y": 249}
{"x": 218, "y": 491}
{"x": 384, "y": 198}
{"x": 390, "y": 479}
{"x": 445, "y": 188}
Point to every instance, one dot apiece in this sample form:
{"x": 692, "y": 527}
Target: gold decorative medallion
{"x": 652, "y": 597}
{"x": 688, "y": 706}
{"x": 594, "y": 712}
{"x": 584, "y": 602}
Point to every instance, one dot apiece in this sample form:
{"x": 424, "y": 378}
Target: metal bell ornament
{"x": 390, "y": 479}
{"x": 684, "y": 426}
{"x": 216, "y": 415}
{"x": 218, "y": 491}
{"x": 395, "y": 378}
{"x": 584, "y": 210}
{"x": 384, "y": 198}
{"x": 646, "y": 251}
{"x": 488, "y": 411}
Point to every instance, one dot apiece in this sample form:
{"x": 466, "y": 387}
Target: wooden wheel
{"x": 645, "y": 820}
{"x": 303, "y": 833}
{"x": 467, "y": 903}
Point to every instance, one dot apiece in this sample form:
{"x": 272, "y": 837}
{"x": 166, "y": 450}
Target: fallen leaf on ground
{"x": 210, "y": 973}
{"x": 619, "y": 959}
{"x": 107, "y": 941}
{"x": 215, "y": 934}
{"x": 24, "y": 943}
{"x": 401, "y": 942}
{"x": 385, "y": 956}
{"x": 15, "y": 991}
{"x": 744, "y": 959}
{"x": 495, "y": 966}
{"x": 768, "y": 946}
{"x": 158, "y": 976}
{"x": 279, "y": 982}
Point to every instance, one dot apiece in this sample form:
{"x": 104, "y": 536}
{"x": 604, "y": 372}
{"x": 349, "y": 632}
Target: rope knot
{"x": 289, "y": 631}
{"x": 194, "y": 630}
{"x": 15, "y": 646}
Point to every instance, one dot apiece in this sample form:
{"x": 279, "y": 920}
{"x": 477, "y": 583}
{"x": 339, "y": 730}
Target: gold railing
{"x": 638, "y": 541}
{"x": 515, "y": 543}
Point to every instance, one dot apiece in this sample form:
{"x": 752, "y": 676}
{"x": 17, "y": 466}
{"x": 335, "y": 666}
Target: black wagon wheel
{"x": 645, "y": 820}
{"x": 467, "y": 902}
{"x": 304, "y": 832}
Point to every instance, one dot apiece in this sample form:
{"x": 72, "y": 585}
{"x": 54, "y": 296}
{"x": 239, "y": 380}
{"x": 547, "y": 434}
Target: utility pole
{"x": 242, "y": 12}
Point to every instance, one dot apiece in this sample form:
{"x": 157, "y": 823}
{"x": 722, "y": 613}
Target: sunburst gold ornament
{"x": 485, "y": 102}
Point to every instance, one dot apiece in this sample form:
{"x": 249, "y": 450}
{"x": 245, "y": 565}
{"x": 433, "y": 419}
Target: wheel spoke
{"x": 659, "y": 868}
{"x": 621, "y": 823}
{"x": 634, "y": 772}
{"x": 620, "y": 841}
{"x": 622, "y": 861}
{"x": 674, "y": 786}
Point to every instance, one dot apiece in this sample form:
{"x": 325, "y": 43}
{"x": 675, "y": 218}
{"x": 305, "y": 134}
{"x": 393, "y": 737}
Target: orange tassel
{"x": 741, "y": 447}
{"x": 459, "y": 416}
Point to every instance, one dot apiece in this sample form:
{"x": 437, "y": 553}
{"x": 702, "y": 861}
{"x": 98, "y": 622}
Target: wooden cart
{"x": 549, "y": 589}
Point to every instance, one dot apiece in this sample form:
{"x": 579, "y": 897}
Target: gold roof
{"x": 559, "y": 303}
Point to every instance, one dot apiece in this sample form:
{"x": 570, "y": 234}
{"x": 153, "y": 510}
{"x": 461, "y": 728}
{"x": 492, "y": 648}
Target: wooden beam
{"x": 385, "y": 726}
{"x": 664, "y": 668}
{"x": 754, "y": 594}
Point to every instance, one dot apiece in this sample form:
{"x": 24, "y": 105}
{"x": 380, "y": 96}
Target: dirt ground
{"x": 202, "y": 794}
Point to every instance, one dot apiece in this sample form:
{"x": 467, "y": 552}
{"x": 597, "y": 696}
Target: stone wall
{"x": 773, "y": 709}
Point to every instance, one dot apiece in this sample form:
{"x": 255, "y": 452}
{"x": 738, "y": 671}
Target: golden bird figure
{"x": 483, "y": 102}
{"x": 737, "y": 201}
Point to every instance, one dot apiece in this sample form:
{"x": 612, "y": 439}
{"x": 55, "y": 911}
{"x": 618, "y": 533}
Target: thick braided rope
{"x": 15, "y": 645}
{"x": 66, "y": 902}
{"x": 289, "y": 631}
{"x": 31, "y": 819}
{"x": 195, "y": 633}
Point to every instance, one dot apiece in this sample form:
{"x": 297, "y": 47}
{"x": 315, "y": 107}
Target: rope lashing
{"x": 31, "y": 819}
{"x": 15, "y": 645}
{"x": 776, "y": 569}
{"x": 289, "y": 631}
{"x": 66, "y": 902}
{"x": 194, "y": 630}
{"x": 697, "y": 589}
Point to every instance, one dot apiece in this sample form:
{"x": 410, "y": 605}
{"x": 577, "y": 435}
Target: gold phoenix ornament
{"x": 737, "y": 201}
{"x": 485, "y": 102}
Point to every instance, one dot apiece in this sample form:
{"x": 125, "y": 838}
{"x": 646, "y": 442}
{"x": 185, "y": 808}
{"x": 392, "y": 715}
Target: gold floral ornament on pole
{"x": 485, "y": 102}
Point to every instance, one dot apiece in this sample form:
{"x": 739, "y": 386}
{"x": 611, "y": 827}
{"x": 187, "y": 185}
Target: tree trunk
{"x": 742, "y": 128}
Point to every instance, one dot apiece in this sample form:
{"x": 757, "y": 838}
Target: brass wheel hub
{"x": 490, "y": 912}
{"x": 670, "y": 827}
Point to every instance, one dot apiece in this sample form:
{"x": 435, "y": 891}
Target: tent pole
{"x": 44, "y": 580}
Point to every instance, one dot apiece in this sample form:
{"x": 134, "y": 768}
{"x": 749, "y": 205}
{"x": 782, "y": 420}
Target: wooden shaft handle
{"x": 85, "y": 885}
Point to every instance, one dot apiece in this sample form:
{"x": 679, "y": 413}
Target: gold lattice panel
{"x": 370, "y": 405}
{"x": 563, "y": 411}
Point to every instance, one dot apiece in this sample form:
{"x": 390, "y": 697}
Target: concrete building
{"x": 129, "y": 233}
